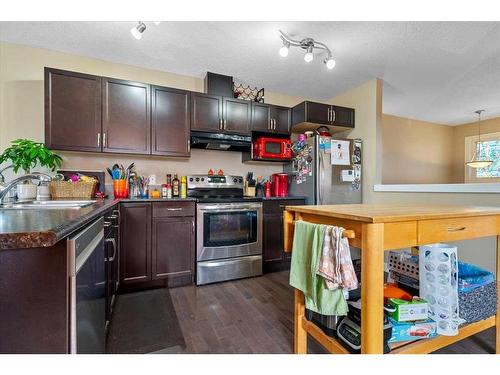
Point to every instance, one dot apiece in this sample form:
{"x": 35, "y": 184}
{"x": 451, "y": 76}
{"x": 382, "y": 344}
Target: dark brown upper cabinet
{"x": 261, "y": 117}
{"x": 171, "y": 118}
{"x": 281, "y": 119}
{"x": 72, "y": 111}
{"x": 126, "y": 123}
{"x": 236, "y": 116}
{"x": 343, "y": 116}
{"x": 323, "y": 114}
{"x": 206, "y": 112}
{"x": 270, "y": 118}
{"x": 217, "y": 114}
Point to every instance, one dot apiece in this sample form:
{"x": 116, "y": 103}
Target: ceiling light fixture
{"x": 308, "y": 44}
{"x": 138, "y": 30}
{"x": 477, "y": 161}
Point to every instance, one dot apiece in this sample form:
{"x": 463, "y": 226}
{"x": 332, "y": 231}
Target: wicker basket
{"x": 68, "y": 189}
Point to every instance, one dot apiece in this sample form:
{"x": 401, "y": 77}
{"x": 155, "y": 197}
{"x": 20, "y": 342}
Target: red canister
{"x": 280, "y": 184}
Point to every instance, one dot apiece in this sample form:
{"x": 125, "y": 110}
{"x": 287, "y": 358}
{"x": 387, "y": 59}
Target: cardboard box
{"x": 409, "y": 310}
{"x": 408, "y": 331}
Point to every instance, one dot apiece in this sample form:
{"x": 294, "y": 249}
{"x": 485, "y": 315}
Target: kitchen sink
{"x": 46, "y": 205}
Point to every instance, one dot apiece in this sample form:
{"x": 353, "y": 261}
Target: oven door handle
{"x": 215, "y": 210}
{"x": 226, "y": 208}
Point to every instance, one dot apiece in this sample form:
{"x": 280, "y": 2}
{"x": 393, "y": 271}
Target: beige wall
{"x": 22, "y": 113}
{"x": 367, "y": 102}
{"x": 367, "y": 99}
{"x": 416, "y": 152}
{"x": 459, "y": 134}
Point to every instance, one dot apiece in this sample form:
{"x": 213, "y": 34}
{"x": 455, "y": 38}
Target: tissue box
{"x": 408, "y": 331}
{"x": 409, "y": 310}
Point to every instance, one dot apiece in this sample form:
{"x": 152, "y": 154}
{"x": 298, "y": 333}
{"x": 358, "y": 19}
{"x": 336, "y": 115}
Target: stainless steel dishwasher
{"x": 87, "y": 289}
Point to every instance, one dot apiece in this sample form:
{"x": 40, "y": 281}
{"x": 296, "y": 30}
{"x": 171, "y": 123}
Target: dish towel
{"x": 306, "y": 252}
{"x": 335, "y": 263}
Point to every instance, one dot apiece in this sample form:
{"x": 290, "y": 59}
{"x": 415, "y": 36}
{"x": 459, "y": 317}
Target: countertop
{"x": 387, "y": 213}
{"x": 20, "y": 229}
{"x": 43, "y": 228}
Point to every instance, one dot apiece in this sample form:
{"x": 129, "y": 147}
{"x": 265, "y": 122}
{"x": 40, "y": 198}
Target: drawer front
{"x": 443, "y": 230}
{"x": 277, "y": 206}
{"x": 170, "y": 209}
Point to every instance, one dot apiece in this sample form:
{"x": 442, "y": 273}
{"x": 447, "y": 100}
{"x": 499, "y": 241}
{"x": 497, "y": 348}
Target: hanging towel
{"x": 307, "y": 246}
{"x": 335, "y": 263}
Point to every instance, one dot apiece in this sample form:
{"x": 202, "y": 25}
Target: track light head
{"x": 308, "y": 57}
{"x": 138, "y": 30}
{"x": 284, "y": 49}
{"x": 330, "y": 63}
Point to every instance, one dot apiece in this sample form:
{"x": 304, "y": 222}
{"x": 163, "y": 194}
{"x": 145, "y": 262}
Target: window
{"x": 490, "y": 149}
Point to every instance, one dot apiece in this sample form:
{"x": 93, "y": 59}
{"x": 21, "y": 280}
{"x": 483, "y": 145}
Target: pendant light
{"x": 476, "y": 161}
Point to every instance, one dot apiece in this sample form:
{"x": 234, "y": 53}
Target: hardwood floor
{"x": 256, "y": 316}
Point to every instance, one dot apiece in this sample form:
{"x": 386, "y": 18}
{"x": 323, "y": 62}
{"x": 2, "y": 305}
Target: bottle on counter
{"x": 183, "y": 187}
{"x": 164, "y": 190}
{"x": 175, "y": 186}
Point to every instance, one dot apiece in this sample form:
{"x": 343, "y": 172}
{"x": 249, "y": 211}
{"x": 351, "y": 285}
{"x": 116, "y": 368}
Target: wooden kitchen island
{"x": 377, "y": 228}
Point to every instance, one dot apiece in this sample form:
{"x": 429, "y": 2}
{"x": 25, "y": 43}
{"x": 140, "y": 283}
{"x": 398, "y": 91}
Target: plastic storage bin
{"x": 477, "y": 293}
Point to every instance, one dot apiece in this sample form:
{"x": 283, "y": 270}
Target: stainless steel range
{"x": 229, "y": 229}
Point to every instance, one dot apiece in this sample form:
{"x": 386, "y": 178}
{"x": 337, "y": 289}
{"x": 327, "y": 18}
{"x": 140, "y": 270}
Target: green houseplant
{"x": 25, "y": 154}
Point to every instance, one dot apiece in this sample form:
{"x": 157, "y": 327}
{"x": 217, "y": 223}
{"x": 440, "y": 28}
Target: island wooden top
{"x": 387, "y": 213}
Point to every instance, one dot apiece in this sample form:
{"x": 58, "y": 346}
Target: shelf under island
{"x": 375, "y": 228}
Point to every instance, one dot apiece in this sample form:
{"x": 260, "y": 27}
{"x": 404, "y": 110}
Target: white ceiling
{"x": 434, "y": 71}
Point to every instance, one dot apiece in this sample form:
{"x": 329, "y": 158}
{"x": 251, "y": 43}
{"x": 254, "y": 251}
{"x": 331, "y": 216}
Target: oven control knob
{"x": 197, "y": 179}
{"x": 240, "y": 180}
{"x": 235, "y": 180}
{"x": 203, "y": 179}
{"x": 191, "y": 179}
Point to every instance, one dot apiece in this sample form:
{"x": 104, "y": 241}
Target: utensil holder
{"x": 120, "y": 189}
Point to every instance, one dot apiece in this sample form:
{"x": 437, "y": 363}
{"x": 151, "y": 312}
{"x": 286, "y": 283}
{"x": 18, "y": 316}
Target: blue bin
{"x": 471, "y": 277}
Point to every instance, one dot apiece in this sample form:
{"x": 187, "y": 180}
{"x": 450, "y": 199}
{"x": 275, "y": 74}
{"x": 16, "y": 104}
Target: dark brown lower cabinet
{"x": 274, "y": 256}
{"x": 135, "y": 243}
{"x": 157, "y": 244}
{"x": 172, "y": 255}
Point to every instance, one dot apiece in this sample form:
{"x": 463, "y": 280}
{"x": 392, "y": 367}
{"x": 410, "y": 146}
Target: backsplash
{"x": 199, "y": 163}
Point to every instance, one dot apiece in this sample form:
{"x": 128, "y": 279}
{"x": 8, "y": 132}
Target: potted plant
{"x": 26, "y": 154}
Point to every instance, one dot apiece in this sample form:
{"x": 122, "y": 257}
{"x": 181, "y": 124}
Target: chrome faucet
{"x": 42, "y": 177}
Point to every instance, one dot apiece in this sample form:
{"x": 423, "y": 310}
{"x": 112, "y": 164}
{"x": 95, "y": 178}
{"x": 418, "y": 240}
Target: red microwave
{"x": 272, "y": 148}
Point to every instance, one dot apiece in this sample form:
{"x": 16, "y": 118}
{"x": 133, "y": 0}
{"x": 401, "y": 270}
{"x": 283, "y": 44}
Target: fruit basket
{"x": 69, "y": 189}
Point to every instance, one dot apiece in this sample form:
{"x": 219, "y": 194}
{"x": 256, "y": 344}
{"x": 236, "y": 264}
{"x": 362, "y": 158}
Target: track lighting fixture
{"x": 138, "y": 30}
{"x": 308, "y": 44}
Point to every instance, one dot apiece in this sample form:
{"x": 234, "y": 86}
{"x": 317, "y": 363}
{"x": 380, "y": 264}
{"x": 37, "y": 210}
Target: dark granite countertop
{"x": 43, "y": 228}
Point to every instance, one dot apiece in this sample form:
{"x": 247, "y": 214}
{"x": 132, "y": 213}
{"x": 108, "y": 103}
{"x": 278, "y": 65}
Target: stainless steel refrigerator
{"x": 313, "y": 175}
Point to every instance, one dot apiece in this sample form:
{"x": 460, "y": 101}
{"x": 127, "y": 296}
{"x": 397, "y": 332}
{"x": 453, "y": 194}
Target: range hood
{"x": 221, "y": 141}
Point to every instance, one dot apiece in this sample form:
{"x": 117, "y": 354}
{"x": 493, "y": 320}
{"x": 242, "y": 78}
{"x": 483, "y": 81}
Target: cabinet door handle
{"x": 333, "y": 115}
{"x": 104, "y": 140}
{"x": 175, "y": 209}
{"x": 220, "y": 124}
{"x": 225, "y": 124}
{"x": 112, "y": 240}
{"x": 189, "y": 145}
{"x": 98, "y": 139}
{"x": 274, "y": 120}
{"x": 193, "y": 225}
